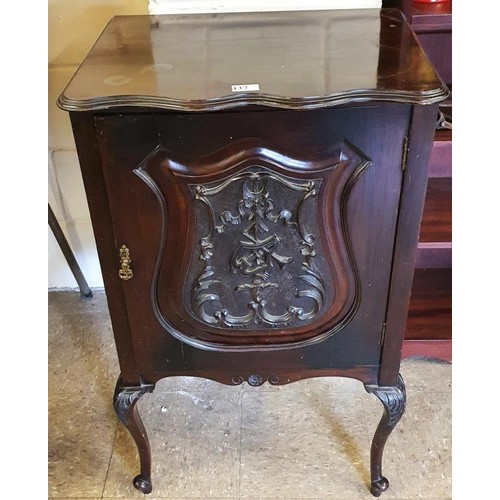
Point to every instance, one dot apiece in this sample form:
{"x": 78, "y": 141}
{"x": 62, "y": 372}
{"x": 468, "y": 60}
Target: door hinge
{"x": 404, "y": 159}
{"x": 382, "y": 334}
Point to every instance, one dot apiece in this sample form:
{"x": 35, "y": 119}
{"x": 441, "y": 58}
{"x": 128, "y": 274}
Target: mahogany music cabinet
{"x": 256, "y": 184}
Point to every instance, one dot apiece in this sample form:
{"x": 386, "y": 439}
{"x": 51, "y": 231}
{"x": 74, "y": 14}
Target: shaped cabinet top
{"x": 288, "y": 60}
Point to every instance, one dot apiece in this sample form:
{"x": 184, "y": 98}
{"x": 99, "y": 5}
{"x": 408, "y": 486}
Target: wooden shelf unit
{"x": 436, "y": 220}
{"x": 429, "y": 325}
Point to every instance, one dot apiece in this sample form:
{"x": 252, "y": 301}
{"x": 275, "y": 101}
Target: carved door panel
{"x": 266, "y": 257}
{"x": 247, "y": 238}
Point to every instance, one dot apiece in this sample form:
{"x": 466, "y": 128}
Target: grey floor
{"x": 306, "y": 440}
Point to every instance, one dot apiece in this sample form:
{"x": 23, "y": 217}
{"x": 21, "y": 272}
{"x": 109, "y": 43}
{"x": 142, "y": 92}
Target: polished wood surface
{"x": 298, "y": 60}
{"x": 429, "y": 314}
{"x": 438, "y": 47}
{"x": 441, "y": 350}
{"x": 440, "y": 164}
{"x": 437, "y": 217}
{"x": 435, "y": 16}
{"x": 434, "y": 255}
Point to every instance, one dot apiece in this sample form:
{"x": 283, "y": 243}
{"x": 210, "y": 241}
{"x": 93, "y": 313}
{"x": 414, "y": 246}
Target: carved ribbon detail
{"x": 258, "y": 253}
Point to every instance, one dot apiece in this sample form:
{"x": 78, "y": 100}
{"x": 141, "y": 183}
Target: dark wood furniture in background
{"x": 256, "y": 183}
{"x": 429, "y": 326}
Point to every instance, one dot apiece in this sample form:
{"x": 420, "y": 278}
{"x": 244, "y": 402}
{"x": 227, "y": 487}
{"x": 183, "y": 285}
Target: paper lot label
{"x": 248, "y": 87}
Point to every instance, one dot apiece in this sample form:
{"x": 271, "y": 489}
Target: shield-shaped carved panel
{"x": 255, "y": 250}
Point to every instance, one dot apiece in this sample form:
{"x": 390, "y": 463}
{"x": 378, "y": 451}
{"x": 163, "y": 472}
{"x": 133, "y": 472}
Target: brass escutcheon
{"x": 125, "y": 272}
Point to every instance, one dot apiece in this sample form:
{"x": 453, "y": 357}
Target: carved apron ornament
{"x": 261, "y": 253}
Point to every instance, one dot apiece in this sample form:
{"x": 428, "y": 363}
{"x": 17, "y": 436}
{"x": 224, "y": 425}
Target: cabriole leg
{"x": 394, "y": 401}
{"x": 124, "y": 402}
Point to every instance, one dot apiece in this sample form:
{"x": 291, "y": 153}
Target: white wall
{"x": 73, "y": 26}
{"x": 190, "y": 6}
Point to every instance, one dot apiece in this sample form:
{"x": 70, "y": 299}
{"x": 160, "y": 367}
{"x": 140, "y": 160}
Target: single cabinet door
{"x": 256, "y": 231}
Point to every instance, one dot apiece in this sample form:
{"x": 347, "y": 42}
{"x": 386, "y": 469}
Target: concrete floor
{"x": 308, "y": 440}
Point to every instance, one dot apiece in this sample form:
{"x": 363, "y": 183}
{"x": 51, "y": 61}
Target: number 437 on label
{"x": 245, "y": 88}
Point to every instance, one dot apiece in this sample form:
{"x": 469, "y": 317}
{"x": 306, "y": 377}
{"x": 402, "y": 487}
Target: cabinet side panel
{"x": 97, "y": 197}
{"x": 408, "y": 228}
{"x": 138, "y": 218}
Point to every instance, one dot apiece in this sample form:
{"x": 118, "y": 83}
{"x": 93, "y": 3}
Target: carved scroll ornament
{"x": 258, "y": 255}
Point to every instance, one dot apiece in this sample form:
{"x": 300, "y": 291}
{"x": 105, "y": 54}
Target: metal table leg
{"x": 68, "y": 254}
